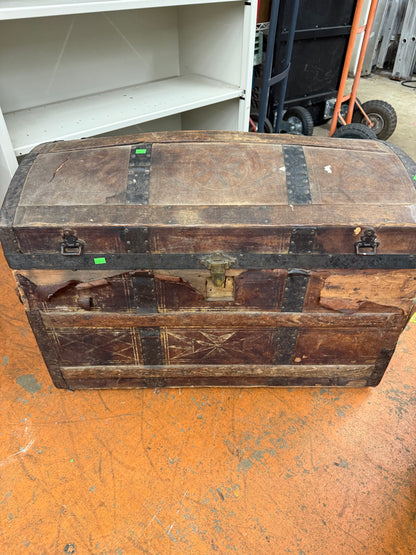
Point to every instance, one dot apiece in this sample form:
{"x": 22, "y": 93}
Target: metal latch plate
{"x": 367, "y": 245}
{"x": 223, "y": 293}
{"x": 217, "y": 264}
{"x": 70, "y": 244}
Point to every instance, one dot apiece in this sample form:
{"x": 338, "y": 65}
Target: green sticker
{"x": 414, "y": 177}
{"x": 100, "y": 261}
{"x": 140, "y": 151}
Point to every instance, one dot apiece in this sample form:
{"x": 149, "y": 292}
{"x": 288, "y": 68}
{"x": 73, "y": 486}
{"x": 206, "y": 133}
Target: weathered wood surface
{"x": 269, "y": 239}
{"x": 216, "y": 174}
{"x": 233, "y": 375}
{"x": 195, "y": 381}
{"x": 353, "y": 291}
{"x": 241, "y": 370}
{"x": 221, "y": 320}
{"x": 232, "y": 345}
{"x": 327, "y": 291}
{"x": 367, "y": 311}
{"x": 207, "y": 136}
{"x": 348, "y": 215}
{"x": 347, "y": 318}
{"x": 208, "y": 179}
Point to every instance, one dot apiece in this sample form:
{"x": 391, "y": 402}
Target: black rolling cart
{"x": 305, "y": 52}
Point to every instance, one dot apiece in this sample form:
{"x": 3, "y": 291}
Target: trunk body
{"x": 214, "y": 258}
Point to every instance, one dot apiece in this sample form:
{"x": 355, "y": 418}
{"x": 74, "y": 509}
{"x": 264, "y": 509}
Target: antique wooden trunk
{"x": 214, "y": 258}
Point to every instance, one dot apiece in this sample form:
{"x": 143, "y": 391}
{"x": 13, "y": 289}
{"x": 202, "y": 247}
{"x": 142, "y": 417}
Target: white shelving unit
{"x": 74, "y": 69}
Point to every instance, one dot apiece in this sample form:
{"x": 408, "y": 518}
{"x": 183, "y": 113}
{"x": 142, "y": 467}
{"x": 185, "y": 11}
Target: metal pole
{"x": 344, "y": 76}
{"x": 283, "y": 83}
{"x": 364, "y": 44}
{"x": 265, "y": 89}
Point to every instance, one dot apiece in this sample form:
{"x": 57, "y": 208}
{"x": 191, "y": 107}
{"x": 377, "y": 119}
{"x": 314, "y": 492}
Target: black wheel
{"x": 381, "y": 114}
{"x": 355, "y": 131}
{"x": 268, "y": 127}
{"x": 300, "y": 120}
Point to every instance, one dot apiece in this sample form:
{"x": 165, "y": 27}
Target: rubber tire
{"x": 304, "y": 116}
{"x": 268, "y": 127}
{"x": 384, "y": 115}
{"x": 355, "y": 131}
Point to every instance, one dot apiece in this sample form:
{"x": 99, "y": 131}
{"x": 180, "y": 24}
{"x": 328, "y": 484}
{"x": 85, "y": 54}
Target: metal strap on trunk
{"x": 138, "y": 180}
{"x": 297, "y": 175}
{"x": 190, "y": 261}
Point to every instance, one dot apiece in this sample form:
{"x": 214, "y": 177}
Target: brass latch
{"x": 219, "y": 287}
{"x": 218, "y": 263}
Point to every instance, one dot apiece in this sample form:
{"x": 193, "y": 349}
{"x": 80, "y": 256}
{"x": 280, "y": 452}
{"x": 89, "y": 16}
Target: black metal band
{"x": 136, "y": 239}
{"x": 11, "y": 202}
{"x": 138, "y": 179}
{"x": 253, "y": 261}
{"x": 380, "y": 366}
{"x": 285, "y": 342}
{"x": 297, "y": 176}
{"x": 407, "y": 162}
{"x": 295, "y": 291}
{"x": 302, "y": 240}
{"x": 151, "y": 346}
{"x": 14, "y": 192}
{"x": 293, "y": 300}
{"x": 47, "y": 348}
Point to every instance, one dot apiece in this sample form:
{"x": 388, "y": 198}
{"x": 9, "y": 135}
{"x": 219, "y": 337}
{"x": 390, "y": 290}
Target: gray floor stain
{"x": 29, "y": 383}
{"x": 245, "y": 465}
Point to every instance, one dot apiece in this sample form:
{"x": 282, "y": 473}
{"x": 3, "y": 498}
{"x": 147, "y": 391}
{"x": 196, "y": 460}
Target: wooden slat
{"x": 365, "y": 213}
{"x": 212, "y": 136}
{"x": 221, "y": 320}
{"x": 101, "y": 377}
{"x": 134, "y": 383}
{"x": 211, "y": 371}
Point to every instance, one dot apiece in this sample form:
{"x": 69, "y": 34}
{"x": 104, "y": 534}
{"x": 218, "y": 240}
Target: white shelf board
{"x": 21, "y": 9}
{"x": 107, "y": 111}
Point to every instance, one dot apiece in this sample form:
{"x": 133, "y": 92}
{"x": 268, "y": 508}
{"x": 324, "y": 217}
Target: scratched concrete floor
{"x": 253, "y": 471}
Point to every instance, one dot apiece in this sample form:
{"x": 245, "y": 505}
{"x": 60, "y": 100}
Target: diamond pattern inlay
{"x": 219, "y": 346}
{"x": 85, "y": 347}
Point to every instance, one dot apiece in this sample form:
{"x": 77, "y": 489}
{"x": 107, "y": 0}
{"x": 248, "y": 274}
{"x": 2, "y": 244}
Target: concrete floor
{"x": 403, "y": 99}
{"x": 315, "y": 471}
